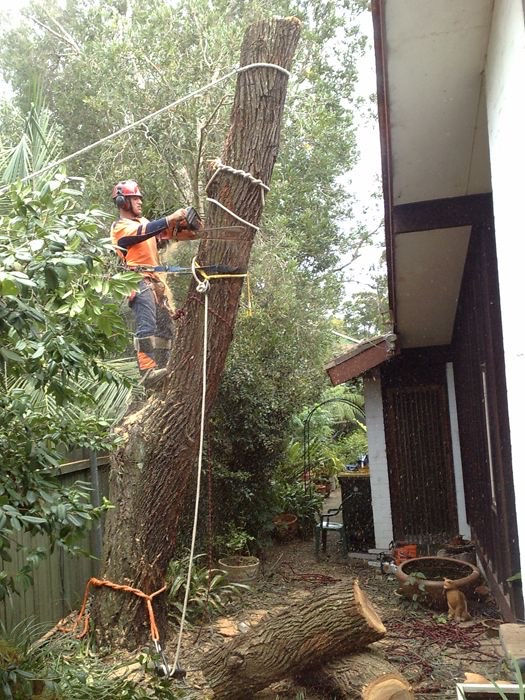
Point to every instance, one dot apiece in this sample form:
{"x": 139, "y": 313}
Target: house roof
{"x": 361, "y": 357}
{"x": 430, "y": 58}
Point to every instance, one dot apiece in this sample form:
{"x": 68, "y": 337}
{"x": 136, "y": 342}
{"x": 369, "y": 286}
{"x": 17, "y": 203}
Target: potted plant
{"x": 304, "y": 504}
{"x": 422, "y": 579}
{"x": 326, "y": 466}
{"x": 238, "y": 564}
{"x": 285, "y": 526}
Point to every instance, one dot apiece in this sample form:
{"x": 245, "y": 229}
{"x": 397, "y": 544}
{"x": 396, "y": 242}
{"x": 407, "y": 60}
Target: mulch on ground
{"x": 431, "y": 652}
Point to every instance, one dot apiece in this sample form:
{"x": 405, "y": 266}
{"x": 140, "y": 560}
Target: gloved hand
{"x": 176, "y": 219}
{"x": 183, "y": 225}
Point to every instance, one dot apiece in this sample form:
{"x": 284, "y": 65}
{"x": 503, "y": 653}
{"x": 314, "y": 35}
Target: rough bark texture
{"x": 363, "y": 676}
{"x": 334, "y": 621}
{"x": 150, "y": 476}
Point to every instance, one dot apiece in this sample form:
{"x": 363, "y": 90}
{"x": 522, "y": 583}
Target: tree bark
{"x": 332, "y": 622}
{"x": 151, "y": 473}
{"x": 363, "y": 676}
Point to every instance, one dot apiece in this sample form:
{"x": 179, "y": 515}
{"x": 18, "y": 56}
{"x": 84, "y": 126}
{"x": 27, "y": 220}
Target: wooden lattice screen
{"x": 420, "y": 464}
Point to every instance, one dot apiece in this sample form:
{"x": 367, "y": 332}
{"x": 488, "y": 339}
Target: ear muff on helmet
{"x": 121, "y": 201}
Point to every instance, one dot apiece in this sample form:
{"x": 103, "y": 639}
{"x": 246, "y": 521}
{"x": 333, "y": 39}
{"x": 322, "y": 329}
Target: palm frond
{"x": 39, "y": 145}
{"x": 110, "y": 397}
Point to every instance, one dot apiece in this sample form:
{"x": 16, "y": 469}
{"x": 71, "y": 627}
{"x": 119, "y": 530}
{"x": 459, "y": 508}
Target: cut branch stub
{"x": 334, "y": 621}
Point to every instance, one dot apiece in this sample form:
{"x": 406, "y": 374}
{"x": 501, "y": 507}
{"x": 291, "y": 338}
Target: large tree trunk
{"x": 334, "y": 621}
{"x": 363, "y": 676}
{"x": 151, "y": 473}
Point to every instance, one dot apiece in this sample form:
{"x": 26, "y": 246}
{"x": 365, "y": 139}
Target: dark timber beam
{"x": 378, "y": 19}
{"x": 442, "y": 213}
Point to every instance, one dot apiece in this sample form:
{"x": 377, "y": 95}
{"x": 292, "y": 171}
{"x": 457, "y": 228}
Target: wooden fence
{"x": 60, "y": 579}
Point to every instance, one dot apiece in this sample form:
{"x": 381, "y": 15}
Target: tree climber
{"x": 136, "y": 241}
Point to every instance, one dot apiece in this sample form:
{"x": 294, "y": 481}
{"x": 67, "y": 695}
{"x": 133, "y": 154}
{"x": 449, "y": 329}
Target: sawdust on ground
{"x": 432, "y": 653}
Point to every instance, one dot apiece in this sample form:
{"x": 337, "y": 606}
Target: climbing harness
{"x": 207, "y": 271}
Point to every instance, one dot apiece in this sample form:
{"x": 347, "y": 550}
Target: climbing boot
{"x": 151, "y": 377}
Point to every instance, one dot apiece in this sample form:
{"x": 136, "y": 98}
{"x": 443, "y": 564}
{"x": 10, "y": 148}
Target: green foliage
{"x": 366, "y": 313}
{"x": 234, "y": 541}
{"x": 336, "y": 436}
{"x": 37, "y": 146}
{"x": 57, "y": 328}
{"x": 66, "y": 668}
{"x": 303, "y": 502}
{"x": 210, "y": 591}
{"x": 105, "y": 64}
{"x": 351, "y": 447}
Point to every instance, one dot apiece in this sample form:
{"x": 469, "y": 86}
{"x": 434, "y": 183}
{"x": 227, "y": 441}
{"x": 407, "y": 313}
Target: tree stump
{"x": 333, "y": 622}
{"x": 363, "y": 676}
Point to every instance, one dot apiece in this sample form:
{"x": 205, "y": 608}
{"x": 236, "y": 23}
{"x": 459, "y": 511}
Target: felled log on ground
{"x": 363, "y": 676}
{"x": 334, "y": 621}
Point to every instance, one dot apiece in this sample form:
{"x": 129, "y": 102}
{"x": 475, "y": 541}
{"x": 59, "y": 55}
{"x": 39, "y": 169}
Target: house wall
{"x": 379, "y": 483}
{"x": 505, "y": 95}
{"x": 479, "y": 375}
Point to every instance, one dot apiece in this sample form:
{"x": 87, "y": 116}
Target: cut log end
{"x": 365, "y": 675}
{"x": 367, "y": 610}
{"x": 392, "y": 686}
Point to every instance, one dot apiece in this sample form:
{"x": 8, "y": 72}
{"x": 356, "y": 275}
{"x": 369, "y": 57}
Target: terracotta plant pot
{"x": 240, "y": 569}
{"x": 428, "y": 588}
{"x": 323, "y": 489}
{"x": 285, "y": 526}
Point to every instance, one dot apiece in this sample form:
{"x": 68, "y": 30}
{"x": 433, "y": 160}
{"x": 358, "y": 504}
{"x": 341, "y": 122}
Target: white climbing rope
{"x": 203, "y": 287}
{"x": 143, "y": 120}
{"x": 221, "y": 167}
{"x": 231, "y": 213}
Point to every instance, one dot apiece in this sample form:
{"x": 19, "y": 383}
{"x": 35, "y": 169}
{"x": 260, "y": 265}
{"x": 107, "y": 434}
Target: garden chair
{"x": 325, "y": 525}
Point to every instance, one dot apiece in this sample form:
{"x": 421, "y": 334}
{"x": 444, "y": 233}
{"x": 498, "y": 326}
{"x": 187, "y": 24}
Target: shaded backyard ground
{"x": 431, "y": 652}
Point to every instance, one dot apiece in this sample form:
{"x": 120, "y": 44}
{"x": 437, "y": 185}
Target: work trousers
{"x": 153, "y": 328}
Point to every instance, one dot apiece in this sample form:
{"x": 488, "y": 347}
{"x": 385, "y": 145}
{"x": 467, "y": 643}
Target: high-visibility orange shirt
{"x": 144, "y": 253}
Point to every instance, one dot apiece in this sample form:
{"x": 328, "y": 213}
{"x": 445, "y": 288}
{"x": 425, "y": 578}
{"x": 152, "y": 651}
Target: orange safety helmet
{"x": 123, "y": 189}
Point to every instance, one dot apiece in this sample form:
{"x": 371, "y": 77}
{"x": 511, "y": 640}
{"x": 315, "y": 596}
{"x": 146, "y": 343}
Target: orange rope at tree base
{"x": 100, "y": 583}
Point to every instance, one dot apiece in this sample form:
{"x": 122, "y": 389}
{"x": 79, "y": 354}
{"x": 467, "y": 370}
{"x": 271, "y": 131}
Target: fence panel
{"x": 60, "y": 579}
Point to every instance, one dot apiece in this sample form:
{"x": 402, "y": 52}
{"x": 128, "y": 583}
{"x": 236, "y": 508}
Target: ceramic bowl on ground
{"x": 422, "y": 579}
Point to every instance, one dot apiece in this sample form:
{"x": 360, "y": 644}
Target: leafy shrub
{"x": 210, "y": 591}
{"x": 63, "y": 668}
{"x": 350, "y": 448}
{"x": 56, "y": 327}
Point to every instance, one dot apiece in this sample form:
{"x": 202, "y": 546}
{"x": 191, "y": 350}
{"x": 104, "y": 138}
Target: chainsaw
{"x": 191, "y": 228}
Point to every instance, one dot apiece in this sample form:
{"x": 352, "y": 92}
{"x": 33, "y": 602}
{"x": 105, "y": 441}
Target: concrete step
{"x": 512, "y": 638}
